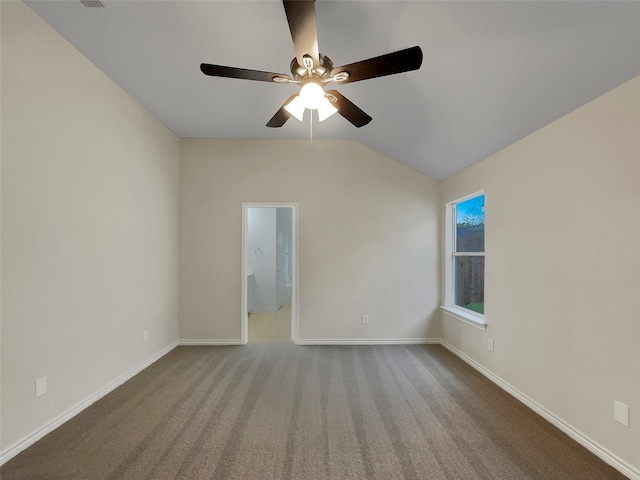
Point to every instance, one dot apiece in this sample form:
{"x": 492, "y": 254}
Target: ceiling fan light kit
{"x": 311, "y": 97}
{"x": 311, "y": 70}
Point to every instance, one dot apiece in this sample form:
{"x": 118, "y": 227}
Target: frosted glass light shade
{"x": 312, "y": 95}
{"x": 296, "y": 107}
{"x": 325, "y": 109}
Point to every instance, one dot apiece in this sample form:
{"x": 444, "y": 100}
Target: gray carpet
{"x": 291, "y": 412}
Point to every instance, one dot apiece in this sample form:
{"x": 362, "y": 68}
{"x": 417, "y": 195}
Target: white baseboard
{"x": 36, "y": 435}
{"x": 211, "y": 341}
{"x": 367, "y": 341}
{"x": 591, "y": 445}
{"x": 321, "y": 341}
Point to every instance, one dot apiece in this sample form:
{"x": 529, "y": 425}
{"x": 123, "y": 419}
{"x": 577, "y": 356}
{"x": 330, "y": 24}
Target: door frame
{"x": 244, "y": 335}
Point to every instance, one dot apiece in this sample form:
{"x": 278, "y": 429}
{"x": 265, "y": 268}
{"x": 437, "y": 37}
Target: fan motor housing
{"x": 300, "y": 73}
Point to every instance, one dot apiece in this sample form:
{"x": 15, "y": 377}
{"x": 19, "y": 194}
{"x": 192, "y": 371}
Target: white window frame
{"x": 450, "y": 308}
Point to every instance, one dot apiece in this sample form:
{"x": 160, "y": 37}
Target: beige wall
{"x": 563, "y": 267}
{"x": 90, "y": 233}
{"x": 368, "y": 237}
{"x": 89, "y": 227}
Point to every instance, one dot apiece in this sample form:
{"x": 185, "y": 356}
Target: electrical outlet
{"x": 490, "y": 344}
{"x": 365, "y": 319}
{"x": 41, "y": 386}
{"x": 621, "y": 413}
{"x": 145, "y": 335}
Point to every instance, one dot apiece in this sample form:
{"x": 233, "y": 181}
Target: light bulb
{"x": 312, "y": 95}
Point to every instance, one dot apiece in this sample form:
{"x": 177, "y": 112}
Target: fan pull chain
{"x": 310, "y": 127}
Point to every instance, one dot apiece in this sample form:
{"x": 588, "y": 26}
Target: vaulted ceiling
{"x": 493, "y": 72}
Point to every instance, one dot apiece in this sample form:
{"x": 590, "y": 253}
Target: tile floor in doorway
{"x": 270, "y": 327}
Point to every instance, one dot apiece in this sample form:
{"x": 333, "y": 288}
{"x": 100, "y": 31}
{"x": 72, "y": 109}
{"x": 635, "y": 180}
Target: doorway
{"x": 269, "y": 273}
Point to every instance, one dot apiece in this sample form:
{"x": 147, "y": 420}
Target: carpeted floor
{"x": 281, "y": 411}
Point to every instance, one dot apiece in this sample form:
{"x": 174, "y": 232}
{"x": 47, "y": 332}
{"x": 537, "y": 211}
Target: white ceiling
{"x": 493, "y": 72}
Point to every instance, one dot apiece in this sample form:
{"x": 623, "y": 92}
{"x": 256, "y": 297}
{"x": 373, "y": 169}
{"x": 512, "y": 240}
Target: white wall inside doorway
{"x": 261, "y": 259}
{"x": 283, "y": 256}
{"x": 269, "y": 260}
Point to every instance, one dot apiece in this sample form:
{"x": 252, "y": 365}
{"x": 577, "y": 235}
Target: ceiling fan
{"x": 312, "y": 70}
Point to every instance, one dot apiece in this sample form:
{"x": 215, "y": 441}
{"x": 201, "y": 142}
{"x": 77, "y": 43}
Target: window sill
{"x": 468, "y": 317}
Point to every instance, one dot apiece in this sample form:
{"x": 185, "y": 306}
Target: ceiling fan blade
{"x": 281, "y": 116}
{"x": 301, "y": 15}
{"x": 348, "y": 109}
{"x": 243, "y": 73}
{"x": 397, "y": 62}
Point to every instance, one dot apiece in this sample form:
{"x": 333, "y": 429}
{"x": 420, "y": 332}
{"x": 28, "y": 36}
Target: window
{"x": 464, "y": 293}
